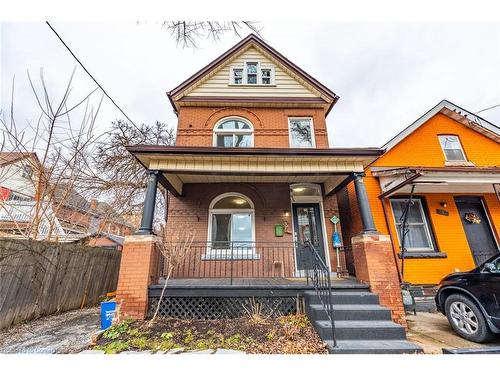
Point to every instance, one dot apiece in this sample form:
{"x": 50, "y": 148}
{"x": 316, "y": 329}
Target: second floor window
{"x": 301, "y": 133}
{"x": 233, "y": 133}
{"x": 452, "y": 148}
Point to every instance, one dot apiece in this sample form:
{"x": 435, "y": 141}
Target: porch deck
{"x": 247, "y": 286}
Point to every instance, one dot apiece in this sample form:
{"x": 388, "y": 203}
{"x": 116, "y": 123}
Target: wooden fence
{"x": 42, "y": 278}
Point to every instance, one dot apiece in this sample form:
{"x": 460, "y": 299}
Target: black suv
{"x": 471, "y": 301}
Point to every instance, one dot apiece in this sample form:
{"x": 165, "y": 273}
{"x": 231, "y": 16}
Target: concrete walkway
{"x": 433, "y": 333}
{"x": 69, "y": 332}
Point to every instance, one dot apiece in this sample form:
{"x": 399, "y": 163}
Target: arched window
{"x": 231, "y": 222}
{"x": 233, "y": 132}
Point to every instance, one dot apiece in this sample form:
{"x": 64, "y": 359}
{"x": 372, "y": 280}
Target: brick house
{"x": 252, "y": 175}
{"x": 453, "y": 177}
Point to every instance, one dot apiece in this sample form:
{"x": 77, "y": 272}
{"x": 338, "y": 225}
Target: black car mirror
{"x": 490, "y": 267}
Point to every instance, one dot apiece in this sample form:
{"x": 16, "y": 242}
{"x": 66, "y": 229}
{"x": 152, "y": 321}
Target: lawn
{"x": 292, "y": 334}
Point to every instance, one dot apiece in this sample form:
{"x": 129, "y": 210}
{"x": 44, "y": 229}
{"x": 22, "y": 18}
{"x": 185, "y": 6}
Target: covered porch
{"x": 452, "y": 223}
{"x": 252, "y": 210}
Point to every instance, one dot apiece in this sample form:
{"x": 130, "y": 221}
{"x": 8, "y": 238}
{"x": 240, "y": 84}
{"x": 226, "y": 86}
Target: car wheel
{"x": 466, "y": 318}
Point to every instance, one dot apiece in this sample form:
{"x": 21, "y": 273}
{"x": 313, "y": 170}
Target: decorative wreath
{"x": 472, "y": 218}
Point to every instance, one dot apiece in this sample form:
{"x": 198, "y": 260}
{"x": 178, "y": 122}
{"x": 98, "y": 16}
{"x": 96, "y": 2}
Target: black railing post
{"x": 232, "y": 258}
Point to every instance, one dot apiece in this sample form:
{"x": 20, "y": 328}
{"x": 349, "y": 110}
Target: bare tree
{"x": 173, "y": 248}
{"x": 188, "y": 33}
{"x": 53, "y": 149}
{"x": 117, "y": 175}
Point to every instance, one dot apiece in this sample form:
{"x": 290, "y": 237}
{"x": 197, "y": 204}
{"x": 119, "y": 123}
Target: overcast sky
{"x": 387, "y": 75}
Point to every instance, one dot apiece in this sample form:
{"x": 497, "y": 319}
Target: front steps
{"x": 362, "y": 326}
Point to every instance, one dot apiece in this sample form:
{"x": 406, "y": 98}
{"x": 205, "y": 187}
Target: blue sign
{"x": 336, "y": 240}
{"x": 108, "y": 310}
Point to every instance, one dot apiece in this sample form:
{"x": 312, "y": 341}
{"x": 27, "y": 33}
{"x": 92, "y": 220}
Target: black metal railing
{"x": 320, "y": 276}
{"x": 233, "y": 260}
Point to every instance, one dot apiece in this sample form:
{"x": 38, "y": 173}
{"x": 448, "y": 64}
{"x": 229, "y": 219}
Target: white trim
{"x": 488, "y": 126}
{"x": 313, "y": 137}
{"x": 225, "y": 254}
{"x": 309, "y": 199}
{"x": 425, "y": 222}
{"x": 234, "y": 132}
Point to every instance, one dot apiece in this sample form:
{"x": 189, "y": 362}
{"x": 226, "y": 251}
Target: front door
{"x": 477, "y": 228}
{"x": 307, "y": 227}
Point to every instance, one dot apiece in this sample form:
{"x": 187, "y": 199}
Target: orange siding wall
{"x": 422, "y": 149}
{"x": 195, "y": 125}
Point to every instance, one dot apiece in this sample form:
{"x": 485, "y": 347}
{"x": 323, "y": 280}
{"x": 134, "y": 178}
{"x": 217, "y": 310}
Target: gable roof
{"x": 454, "y": 112}
{"x": 7, "y": 158}
{"x": 252, "y": 40}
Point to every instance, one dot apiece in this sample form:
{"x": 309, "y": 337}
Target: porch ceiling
{"x": 183, "y": 165}
{"x": 461, "y": 180}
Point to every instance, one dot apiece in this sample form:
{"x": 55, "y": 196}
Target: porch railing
{"x": 239, "y": 260}
{"x": 320, "y": 276}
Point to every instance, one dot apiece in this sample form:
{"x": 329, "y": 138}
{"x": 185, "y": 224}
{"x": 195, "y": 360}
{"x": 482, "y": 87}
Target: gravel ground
{"x": 68, "y": 332}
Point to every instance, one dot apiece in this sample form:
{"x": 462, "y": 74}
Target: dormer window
{"x": 452, "y": 149}
{"x": 252, "y": 73}
{"x": 252, "y": 69}
{"x": 233, "y": 132}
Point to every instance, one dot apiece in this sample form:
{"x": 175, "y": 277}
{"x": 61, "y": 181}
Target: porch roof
{"x": 180, "y": 165}
{"x": 460, "y": 180}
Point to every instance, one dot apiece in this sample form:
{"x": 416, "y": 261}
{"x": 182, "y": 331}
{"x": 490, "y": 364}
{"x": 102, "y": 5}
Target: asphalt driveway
{"x": 69, "y": 332}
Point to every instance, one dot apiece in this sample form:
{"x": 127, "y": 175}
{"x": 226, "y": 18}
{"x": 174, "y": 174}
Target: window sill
{"x": 250, "y": 85}
{"x": 459, "y": 164}
{"x": 423, "y": 255}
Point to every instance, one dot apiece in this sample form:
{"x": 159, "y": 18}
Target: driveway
{"x": 69, "y": 332}
{"x": 433, "y": 333}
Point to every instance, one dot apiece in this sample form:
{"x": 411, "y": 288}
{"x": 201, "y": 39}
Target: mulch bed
{"x": 291, "y": 334}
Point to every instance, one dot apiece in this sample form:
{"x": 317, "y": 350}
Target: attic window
{"x": 452, "y": 148}
{"x": 251, "y": 73}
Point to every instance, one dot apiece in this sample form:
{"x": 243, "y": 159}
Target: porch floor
{"x": 271, "y": 286}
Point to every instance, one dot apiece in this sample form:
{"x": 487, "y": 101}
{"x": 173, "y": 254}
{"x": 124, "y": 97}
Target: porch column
{"x": 363, "y": 204}
{"x": 149, "y": 204}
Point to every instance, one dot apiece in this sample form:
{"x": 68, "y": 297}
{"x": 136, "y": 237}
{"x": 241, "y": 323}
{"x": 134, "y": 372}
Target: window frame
{"x": 425, "y": 214}
{"x": 244, "y": 78}
{"x": 290, "y": 138}
{"x": 234, "y": 132}
{"x": 247, "y": 252}
{"x": 464, "y": 160}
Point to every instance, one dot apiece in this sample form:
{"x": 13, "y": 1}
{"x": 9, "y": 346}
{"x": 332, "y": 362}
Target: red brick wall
{"x": 138, "y": 266}
{"x": 190, "y": 212}
{"x": 195, "y": 125}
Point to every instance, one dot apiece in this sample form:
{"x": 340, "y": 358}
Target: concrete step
{"x": 373, "y": 347}
{"x": 344, "y": 298}
{"x": 360, "y": 330}
{"x": 350, "y": 312}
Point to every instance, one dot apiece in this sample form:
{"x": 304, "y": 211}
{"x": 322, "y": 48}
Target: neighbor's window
{"x": 231, "y": 219}
{"x": 27, "y": 172}
{"x": 301, "y": 133}
{"x": 452, "y": 148}
{"x": 233, "y": 133}
{"x": 418, "y": 237}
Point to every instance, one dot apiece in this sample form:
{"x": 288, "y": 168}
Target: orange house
{"x": 448, "y": 164}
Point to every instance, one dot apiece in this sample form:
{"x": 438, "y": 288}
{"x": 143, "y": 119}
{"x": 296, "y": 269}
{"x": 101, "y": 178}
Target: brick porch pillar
{"x": 374, "y": 263}
{"x": 139, "y": 265}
